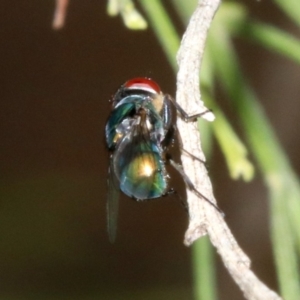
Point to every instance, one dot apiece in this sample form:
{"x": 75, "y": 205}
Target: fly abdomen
{"x": 141, "y": 173}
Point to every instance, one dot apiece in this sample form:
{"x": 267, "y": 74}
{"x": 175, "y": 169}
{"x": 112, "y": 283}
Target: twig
{"x": 204, "y": 218}
{"x": 60, "y": 14}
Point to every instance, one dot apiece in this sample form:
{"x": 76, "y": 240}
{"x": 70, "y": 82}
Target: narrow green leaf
{"x": 272, "y": 161}
{"x": 274, "y": 39}
{"x": 291, "y": 8}
{"x": 233, "y": 149}
{"x": 185, "y": 9}
{"x": 113, "y": 7}
{"x": 235, "y": 152}
{"x": 164, "y": 29}
{"x": 131, "y": 17}
{"x": 234, "y": 17}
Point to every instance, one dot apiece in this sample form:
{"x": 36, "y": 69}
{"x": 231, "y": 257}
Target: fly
{"x": 138, "y": 134}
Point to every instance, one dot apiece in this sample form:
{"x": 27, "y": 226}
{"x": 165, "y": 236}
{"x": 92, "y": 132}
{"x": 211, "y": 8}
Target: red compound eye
{"x": 145, "y": 84}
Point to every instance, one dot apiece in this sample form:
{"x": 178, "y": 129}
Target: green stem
{"x": 204, "y": 270}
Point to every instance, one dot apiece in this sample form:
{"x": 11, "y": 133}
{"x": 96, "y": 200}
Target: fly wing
{"x": 112, "y": 205}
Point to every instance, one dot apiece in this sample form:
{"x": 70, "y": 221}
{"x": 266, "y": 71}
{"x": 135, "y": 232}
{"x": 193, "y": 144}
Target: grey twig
{"x": 203, "y": 217}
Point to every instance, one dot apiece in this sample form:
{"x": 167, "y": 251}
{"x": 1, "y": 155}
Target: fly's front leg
{"x": 184, "y": 115}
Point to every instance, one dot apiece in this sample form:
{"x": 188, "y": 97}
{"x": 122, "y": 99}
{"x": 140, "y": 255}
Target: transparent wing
{"x": 112, "y": 205}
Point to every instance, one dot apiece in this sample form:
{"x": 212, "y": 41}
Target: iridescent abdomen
{"x": 140, "y": 170}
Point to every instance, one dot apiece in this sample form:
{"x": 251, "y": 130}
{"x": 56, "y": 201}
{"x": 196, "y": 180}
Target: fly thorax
{"x": 158, "y": 135}
{"x": 124, "y": 127}
{"x": 148, "y": 125}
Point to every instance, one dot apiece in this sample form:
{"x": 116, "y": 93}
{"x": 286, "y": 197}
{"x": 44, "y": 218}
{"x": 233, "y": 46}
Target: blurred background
{"x": 55, "y": 87}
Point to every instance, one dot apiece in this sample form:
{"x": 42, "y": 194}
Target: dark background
{"x": 55, "y": 87}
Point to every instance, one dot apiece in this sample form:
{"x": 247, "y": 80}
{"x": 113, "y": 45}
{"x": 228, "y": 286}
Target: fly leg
{"x": 191, "y": 186}
{"x": 193, "y": 156}
{"x": 182, "y": 149}
{"x": 184, "y": 115}
{"x": 171, "y": 191}
{"x": 178, "y": 167}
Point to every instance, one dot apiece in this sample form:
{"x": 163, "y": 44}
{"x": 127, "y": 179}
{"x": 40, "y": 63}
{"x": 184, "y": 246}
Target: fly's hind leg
{"x": 178, "y": 136}
{"x": 191, "y": 186}
{"x": 172, "y": 191}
